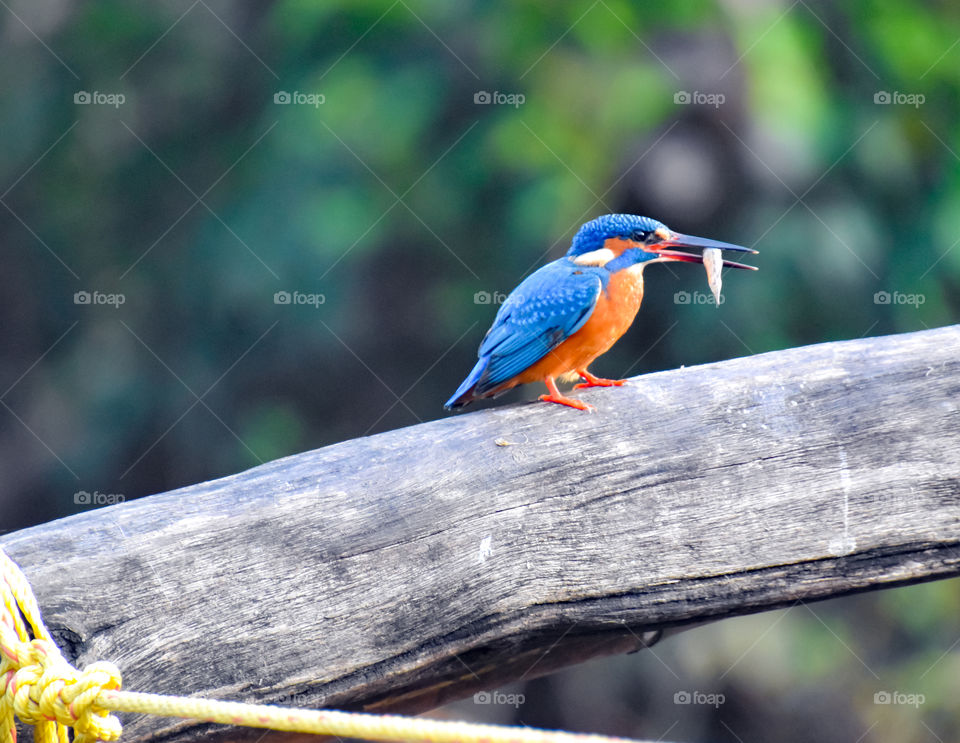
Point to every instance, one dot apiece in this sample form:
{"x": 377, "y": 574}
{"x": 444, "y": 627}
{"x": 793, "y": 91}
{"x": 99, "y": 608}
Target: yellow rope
{"x": 39, "y": 686}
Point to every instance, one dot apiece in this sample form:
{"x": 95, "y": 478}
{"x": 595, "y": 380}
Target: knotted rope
{"x": 39, "y": 687}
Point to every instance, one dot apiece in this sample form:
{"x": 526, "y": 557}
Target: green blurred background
{"x": 186, "y": 164}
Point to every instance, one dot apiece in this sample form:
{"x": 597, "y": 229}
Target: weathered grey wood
{"x": 420, "y": 565}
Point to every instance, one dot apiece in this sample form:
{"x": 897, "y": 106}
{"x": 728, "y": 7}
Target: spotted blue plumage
{"x": 548, "y": 307}
{"x": 592, "y": 235}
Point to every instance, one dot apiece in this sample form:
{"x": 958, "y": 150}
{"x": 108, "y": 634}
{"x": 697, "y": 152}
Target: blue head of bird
{"x": 618, "y": 241}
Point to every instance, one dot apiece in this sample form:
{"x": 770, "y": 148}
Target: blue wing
{"x": 548, "y": 307}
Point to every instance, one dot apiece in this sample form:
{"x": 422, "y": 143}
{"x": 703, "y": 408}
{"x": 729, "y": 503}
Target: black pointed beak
{"x": 665, "y": 248}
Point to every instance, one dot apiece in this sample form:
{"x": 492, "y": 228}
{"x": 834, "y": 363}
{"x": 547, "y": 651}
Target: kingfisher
{"x": 569, "y": 312}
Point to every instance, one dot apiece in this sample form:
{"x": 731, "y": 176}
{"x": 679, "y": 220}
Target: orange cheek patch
{"x": 617, "y": 245}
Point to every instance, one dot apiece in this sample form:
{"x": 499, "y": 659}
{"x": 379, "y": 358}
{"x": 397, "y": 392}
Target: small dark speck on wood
{"x": 400, "y": 571}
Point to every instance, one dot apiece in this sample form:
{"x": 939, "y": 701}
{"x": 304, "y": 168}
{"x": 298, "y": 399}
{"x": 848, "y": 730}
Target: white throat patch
{"x": 595, "y": 257}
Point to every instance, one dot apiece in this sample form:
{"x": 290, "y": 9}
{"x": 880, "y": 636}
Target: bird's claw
{"x": 597, "y": 382}
{"x": 570, "y": 402}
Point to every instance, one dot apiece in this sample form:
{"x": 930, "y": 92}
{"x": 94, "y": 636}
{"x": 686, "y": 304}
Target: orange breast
{"x": 616, "y": 308}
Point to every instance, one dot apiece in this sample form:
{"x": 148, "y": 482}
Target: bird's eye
{"x": 639, "y": 236}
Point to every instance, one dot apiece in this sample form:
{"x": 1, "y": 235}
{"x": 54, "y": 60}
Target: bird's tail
{"x": 465, "y": 393}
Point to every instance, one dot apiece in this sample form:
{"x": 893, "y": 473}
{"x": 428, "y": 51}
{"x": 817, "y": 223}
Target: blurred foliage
{"x": 402, "y": 201}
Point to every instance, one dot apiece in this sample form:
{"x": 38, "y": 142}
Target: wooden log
{"x": 403, "y": 570}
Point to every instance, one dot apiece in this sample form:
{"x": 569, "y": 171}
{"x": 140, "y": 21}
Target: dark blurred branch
{"x": 404, "y": 570}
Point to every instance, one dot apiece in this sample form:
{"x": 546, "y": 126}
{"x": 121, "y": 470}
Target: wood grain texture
{"x": 403, "y": 570}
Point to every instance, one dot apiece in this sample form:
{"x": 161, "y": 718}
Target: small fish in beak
{"x": 713, "y": 262}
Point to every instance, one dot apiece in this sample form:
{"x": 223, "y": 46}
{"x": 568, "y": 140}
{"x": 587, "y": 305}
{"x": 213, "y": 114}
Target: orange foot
{"x": 556, "y": 397}
{"x": 592, "y": 381}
